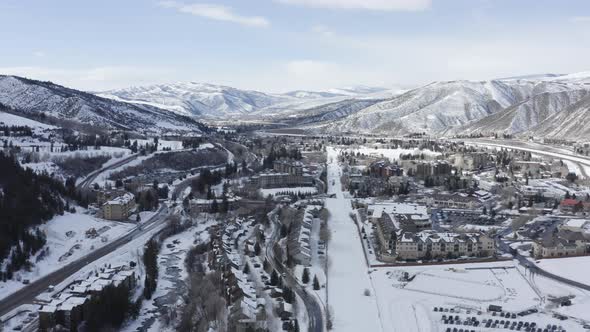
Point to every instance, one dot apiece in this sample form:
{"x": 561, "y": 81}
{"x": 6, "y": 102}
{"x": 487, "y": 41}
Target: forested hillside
{"x": 27, "y": 199}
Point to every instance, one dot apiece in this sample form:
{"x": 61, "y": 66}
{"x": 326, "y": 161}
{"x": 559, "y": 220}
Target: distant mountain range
{"x": 219, "y": 102}
{"x": 28, "y": 97}
{"x": 551, "y": 105}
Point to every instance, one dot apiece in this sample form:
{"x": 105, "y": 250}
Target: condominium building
{"x": 433, "y": 245}
{"x": 119, "y": 208}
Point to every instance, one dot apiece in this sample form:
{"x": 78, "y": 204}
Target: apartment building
{"x": 471, "y": 161}
{"x": 119, "y": 208}
{"x": 438, "y": 245}
{"x": 288, "y": 166}
{"x": 71, "y": 307}
{"x": 433, "y": 169}
{"x": 454, "y": 201}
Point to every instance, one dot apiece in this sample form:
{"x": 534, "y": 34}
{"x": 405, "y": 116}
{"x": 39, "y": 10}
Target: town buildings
{"x": 299, "y": 242}
{"x": 571, "y": 206}
{"x": 72, "y": 306}
{"x": 472, "y": 160}
{"x": 454, "y": 201}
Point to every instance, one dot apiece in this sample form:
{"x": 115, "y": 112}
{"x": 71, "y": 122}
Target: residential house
{"x": 571, "y": 206}
{"x": 564, "y": 242}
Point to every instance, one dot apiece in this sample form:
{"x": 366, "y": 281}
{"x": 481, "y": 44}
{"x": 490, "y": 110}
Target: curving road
{"x": 313, "y": 308}
{"x": 540, "y": 149}
{"x": 28, "y": 293}
{"x": 93, "y": 175}
{"x": 532, "y": 267}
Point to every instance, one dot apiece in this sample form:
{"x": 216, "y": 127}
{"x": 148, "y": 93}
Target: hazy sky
{"x": 281, "y": 45}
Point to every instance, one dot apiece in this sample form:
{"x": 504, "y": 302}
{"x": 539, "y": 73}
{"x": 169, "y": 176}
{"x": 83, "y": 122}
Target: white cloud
{"x": 383, "y": 5}
{"x": 580, "y": 19}
{"x": 321, "y": 75}
{"x": 39, "y": 54}
{"x": 216, "y": 12}
{"x": 322, "y": 30}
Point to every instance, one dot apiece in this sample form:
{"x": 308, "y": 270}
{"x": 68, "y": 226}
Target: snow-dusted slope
{"x": 571, "y": 123}
{"x": 326, "y": 113}
{"x": 34, "y": 97}
{"x": 197, "y": 99}
{"x": 547, "y": 99}
{"x": 435, "y": 107}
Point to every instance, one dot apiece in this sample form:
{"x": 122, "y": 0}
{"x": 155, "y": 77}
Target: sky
{"x": 284, "y": 45}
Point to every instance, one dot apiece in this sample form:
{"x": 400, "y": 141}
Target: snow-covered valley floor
{"x": 380, "y": 299}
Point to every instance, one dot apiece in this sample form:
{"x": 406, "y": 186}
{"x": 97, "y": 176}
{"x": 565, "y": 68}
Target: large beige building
{"x": 432, "y": 245}
{"x": 119, "y": 208}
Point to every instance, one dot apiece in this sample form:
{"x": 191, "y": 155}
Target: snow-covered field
{"x": 348, "y": 276}
{"x": 574, "y": 268}
{"x": 391, "y": 154}
{"x": 409, "y": 305}
{"x": 15, "y": 120}
{"x": 297, "y": 190}
{"x": 67, "y": 241}
{"x": 162, "y": 144}
{"x": 575, "y": 168}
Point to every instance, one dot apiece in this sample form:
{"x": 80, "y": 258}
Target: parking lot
{"x": 471, "y": 321}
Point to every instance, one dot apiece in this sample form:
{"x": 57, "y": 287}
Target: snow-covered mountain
{"x": 434, "y": 107}
{"x": 302, "y": 94}
{"x": 198, "y": 99}
{"x": 571, "y": 123}
{"x": 547, "y": 100}
{"x": 517, "y": 105}
{"x": 511, "y": 105}
{"x": 30, "y": 97}
{"x": 217, "y": 101}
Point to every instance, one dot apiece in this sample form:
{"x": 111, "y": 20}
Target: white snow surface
{"x": 347, "y": 270}
{"x": 67, "y": 241}
{"x": 15, "y": 120}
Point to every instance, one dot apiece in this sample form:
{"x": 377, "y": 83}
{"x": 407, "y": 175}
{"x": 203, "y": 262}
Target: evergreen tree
{"x": 316, "y": 283}
{"x": 274, "y": 278}
{"x": 305, "y": 276}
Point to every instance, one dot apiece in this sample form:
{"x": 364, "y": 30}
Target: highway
{"x": 313, "y": 308}
{"x": 536, "y": 148}
{"x": 92, "y": 176}
{"x": 28, "y": 293}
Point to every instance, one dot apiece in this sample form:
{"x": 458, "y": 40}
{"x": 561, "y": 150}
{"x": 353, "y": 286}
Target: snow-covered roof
{"x": 121, "y": 200}
{"x": 415, "y": 210}
{"x": 578, "y": 223}
{"x": 434, "y": 237}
